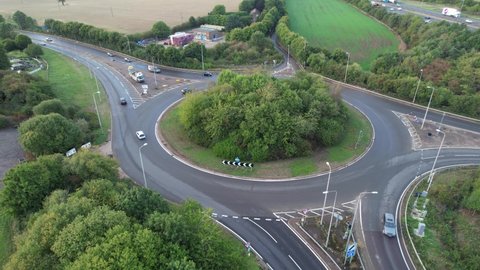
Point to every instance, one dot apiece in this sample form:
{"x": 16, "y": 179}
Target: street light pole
{"x": 128, "y": 43}
{"x": 428, "y": 106}
{"x": 141, "y": 163}
{"x": 331, "y": 217}
{"x": 96, "y": 109}
{"x": 418, "y": 84}
{"x": 346, "y": 69}
{"x": 326, "y": 191}
{"x": 353, "y": 221}
{"x": 154, "y": 73}
{"x": 201, "y": 48}
{"x": 430, "y": 176}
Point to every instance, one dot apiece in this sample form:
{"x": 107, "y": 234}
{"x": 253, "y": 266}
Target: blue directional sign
{"x": 351, "y": 250}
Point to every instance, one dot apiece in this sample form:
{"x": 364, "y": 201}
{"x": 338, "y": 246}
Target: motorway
{"x": 247, "y": 206}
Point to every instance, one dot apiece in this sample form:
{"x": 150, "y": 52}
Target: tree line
{"x": 444, "y": 54}
{"x": 260, "y": 118}
{"x": 234, "y": 52}
{"x": 76, "y": 213}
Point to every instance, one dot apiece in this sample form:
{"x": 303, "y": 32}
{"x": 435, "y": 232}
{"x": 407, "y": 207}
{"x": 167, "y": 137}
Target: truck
{"x": 135, "y": 75}
{"x": 452, "y": 12}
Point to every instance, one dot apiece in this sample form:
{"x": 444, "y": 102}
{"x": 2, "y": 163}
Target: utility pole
{"x": 418, "y": 84}
{"x": 346, "y": 69}
{"x": 428, "y": 106}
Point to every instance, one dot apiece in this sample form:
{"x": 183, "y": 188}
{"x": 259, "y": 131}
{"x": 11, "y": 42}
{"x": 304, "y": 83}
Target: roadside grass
{"x": 6, "y": 236}
{"x": 444, "y": 227}
{"x": 73, "y": 84}
{"x": 357, "y": 138}
{"x": 175, "y": 137}
{"x": 336, "y": 24}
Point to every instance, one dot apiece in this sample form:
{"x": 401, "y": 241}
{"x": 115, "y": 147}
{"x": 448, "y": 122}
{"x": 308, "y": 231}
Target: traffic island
{"x": 315, "y": 235}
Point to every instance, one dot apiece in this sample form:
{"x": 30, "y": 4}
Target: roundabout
{"x": 247, "y": 207}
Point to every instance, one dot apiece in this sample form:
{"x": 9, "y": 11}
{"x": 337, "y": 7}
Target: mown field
{"x": 335, "y": 24}
{"x": 127, "y": 16}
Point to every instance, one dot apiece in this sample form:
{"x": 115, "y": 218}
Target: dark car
{"x": 207, "y": 74}
{"x": 186, "y": 91}
{"x": 123, "y": 101}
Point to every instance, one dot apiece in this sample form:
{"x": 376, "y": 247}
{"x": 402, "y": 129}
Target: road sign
{"x": 351, "y": 250}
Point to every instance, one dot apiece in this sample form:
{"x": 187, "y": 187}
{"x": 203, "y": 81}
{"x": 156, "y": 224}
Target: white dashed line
{"x": 234, "y": 217}
{"x": 256, "y": 218}
{"x": 224, "y": 215}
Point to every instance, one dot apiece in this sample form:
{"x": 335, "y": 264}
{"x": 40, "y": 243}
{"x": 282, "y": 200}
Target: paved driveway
{"x": 10, "y": 151}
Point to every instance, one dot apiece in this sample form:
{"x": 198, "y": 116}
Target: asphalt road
{"x": 388, "y": 167}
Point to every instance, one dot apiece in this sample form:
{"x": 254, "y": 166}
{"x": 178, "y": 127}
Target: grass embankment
{"x": 336, "y": 24}
{"x": 74, "y": 84}
{"x": 6, "y": 237}
{"x": 344, "y": 152}
{"x": 452, "y": 231}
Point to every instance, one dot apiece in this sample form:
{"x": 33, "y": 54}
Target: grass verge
{"x": 73, "y": 83}
{"x": 452, "y": 231}
{"x": 336, "y": 24}
{"x": 176, "y": 139}
{"x": 6, "y": 236}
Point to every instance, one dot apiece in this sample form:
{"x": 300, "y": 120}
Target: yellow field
{"x": 127, "y": 16}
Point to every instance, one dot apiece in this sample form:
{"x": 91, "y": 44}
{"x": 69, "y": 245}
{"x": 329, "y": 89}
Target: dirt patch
{"x": 454, "y": 137}
{"x": 119, "y": 15}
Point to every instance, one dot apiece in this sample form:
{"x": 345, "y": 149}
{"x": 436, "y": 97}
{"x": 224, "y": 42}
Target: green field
{"x": 74, "y": 84}
{"x": 335, "y": 24}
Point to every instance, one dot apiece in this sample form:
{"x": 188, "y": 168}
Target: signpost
{"x": 351, "y": 251}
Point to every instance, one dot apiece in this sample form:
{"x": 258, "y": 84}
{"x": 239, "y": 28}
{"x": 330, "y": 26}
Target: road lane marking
{"x": 263, "y": 230}
{"x": 256, "y": 218}
{"x": 234, "y": 217}
{"x": 269, "y": 267}
{"x": 224, "y": 215}
{"x": 466, "y": 155}
{"x": 294, "y": 262}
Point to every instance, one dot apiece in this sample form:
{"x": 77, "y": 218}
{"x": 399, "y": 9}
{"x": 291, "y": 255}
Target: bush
{"x": 4, "y": 121}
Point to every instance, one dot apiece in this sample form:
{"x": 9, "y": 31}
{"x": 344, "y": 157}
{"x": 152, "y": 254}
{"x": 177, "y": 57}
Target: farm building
{"x": 204, "y": 33}
{"x": 180, "y": 38}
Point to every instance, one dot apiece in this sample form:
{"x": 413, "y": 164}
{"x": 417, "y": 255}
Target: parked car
{"x": 123, "y": 101}
{"x": 186, "y": 90}
{"x": 140, "y": 135}
{"x": 207, "y": 74}
{"x": 427, "y": 19}
{"x": 389, "y": 226}
{"x": 153, "y": 69}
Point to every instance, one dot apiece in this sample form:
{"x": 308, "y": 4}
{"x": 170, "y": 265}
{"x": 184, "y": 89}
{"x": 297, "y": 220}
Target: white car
{"x": 468, "y": 21}
{"x": 110, "y": 54}
{"x": 140, "y": 135}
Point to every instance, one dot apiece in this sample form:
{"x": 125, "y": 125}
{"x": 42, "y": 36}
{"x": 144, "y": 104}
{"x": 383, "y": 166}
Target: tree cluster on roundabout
{"x": 260, "y": 118}
{"x": 75, "y": 213}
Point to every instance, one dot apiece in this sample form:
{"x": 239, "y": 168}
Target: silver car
{"x": 389, "y": 226}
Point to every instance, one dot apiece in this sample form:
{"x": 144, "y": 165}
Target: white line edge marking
{"x": 294, "y": 262}
{"x": 239, "y": 237}
{"x": 265, "y": 231}
{"x": 268, "y": 265}
{"x": 303, "y": 241}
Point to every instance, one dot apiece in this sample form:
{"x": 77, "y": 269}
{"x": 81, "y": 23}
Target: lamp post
{"x": 326, "y": 191}
{"x": 128, "y": 43}
{"x": 201, "y": 48}
{"x": 346, "y": 69}
{"x": 353, "y": 221}
{"x": 154, "y": 73}
{"x": 141, "y": 163}
{"x": 418, "y": 84}
{"x": 430, "y": 176}
{"x": 96, "y": 109}
{"x": 428, "y": 106}
{"x": 331, "y": 217}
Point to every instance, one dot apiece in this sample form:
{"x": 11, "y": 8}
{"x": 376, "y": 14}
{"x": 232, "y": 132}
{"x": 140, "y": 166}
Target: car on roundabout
{"x": 140, "y": 135}
{"x": 389, "y": 226}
